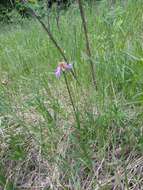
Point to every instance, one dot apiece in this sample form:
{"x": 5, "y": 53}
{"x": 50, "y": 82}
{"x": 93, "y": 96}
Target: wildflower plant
{"x": 63, "y": 66}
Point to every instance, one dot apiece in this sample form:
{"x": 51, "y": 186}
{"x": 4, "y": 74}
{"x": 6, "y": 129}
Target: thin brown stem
{"x": 50, "y": 36}
{"x": 88, "y": 50}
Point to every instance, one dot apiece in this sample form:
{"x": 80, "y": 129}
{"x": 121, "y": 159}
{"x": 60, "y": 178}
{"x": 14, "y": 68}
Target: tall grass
{"x": 41, "y": 146}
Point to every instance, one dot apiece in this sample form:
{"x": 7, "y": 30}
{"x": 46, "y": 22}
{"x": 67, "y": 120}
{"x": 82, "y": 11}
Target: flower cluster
{"x": 62, "y": 66}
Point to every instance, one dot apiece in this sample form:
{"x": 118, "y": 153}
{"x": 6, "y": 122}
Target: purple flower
{"x": 62, "y": 67}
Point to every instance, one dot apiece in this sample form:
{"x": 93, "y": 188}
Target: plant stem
{"x": 50, "y": 36}
{"x": 72, "y": 102}
{"x": 87, "y": 41}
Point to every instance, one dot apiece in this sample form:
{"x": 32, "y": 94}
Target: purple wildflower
{"x": 62, "y": 67}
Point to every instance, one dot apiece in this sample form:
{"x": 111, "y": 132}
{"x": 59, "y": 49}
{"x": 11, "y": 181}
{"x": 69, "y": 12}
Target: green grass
{"x": 41, "y": 144}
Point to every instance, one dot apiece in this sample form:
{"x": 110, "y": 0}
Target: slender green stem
{"x": 72, "y": 102}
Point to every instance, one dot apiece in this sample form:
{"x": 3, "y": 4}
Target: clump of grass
{"x": 41, "y": 145}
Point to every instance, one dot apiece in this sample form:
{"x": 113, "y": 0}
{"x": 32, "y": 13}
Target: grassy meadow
{"x": 65, "y": 133}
